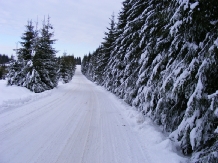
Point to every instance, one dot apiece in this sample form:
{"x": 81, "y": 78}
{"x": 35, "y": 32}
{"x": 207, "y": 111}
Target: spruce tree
{"x": 44, "y": 60}
{"x": 105, "y": 51}
{"x": 67, "y": 68}
{"x": 164, "y": 62}
{"x": 84, "y": 64}
{"x": 78, "y": 60}
{"x": 27, "y": 44}
{"x": 20, "y": 69}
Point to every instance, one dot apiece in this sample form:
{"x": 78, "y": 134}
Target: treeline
{"x": 162, "y": 58}
{"x": 4, "y": 59}
{"x": 37, "y": 67}
{"x": 67, "y": 67}
{"x": 3, "y": 71}
{"x": 78, "y": 60}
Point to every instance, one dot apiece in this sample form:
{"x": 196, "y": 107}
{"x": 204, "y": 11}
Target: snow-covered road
{"x": 79, "y": 123}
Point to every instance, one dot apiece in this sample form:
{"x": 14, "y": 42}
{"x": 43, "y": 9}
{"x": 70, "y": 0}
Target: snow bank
{"x": 152, "y": 137}
{"x": 14, "y": 96}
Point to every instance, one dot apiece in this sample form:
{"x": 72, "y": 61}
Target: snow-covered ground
{"x": 14, "y": 96}
{"x": 77, "y": 122}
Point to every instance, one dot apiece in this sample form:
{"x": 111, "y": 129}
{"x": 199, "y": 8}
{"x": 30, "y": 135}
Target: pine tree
{"x": 44, "y": 60}
{"x": 67, "y": 68}
{"x": 164, "y": 62}
{"x": 115, "y": 64}
{"x": 4, "y": 59}
{"x": 85, "y": 63}
{"x": 36, "y": 66}
{"x": 26, "y": 52}
{"x": 19, "y": 69}
{"x": 198, "y": 28}
{"x": 105, "y": 51}
{"x": 78, "y": 60}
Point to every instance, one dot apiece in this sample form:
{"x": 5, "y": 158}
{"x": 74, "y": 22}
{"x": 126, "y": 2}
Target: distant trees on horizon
{"x": 4, "y": 60}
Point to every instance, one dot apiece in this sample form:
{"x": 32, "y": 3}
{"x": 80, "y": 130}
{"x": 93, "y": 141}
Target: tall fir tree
{"x": 36, "y": 67}
{"x": 44, "y": 60}
{"x": 67, "y": 68}
{"x": 26, "y": 52}
{"x": 104, "y": 51}
{"x": 20, "y": 69}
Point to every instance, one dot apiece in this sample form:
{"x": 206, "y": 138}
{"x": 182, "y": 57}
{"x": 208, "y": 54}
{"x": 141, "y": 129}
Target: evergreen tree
{"x": 164, "y": 62}
{"x": 44, "y": 60}
{"x": 3, "y": 71}
{"x": 85, "y": 63}
{"x": 19, "y": 69}
{"x": 36, "y": 66}
{"x": 67, "y": 68}
{"x": 4, "y": 59}
{"x": 122, "y": 43}
{"x": 78, "y": 61}
{"x": 104, "y": 52}
{"x": 26, "y": 52}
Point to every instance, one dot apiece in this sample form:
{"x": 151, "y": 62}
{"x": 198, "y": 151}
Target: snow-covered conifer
{"x": 164, "y": 62}
{"x": 44, "y": 60}
{"x": 19, "y": 68}
{"x": 67, "y": 68}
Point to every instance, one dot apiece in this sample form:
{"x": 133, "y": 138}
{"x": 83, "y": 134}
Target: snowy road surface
{"x": 79, "y": 123}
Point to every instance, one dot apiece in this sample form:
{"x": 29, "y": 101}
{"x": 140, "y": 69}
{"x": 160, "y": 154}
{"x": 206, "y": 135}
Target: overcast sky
{"x": 79, "y": 25}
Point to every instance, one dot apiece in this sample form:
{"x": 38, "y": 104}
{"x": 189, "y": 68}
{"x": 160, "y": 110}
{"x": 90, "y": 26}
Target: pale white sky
{"x": 79, "y": 25}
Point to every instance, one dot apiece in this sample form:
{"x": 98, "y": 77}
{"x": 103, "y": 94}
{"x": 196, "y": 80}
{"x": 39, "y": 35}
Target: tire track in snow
{"x": 33, "y": 113}
{"x": 33, "y": 119}
{"x": 92, "y": 132}
{"x": 58, "y": 135}
{"x": 77, "y": 135}
{"x": 80, "y": 123}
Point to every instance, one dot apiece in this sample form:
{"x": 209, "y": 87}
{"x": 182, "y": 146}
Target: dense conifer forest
{"x": 162, "y": 58}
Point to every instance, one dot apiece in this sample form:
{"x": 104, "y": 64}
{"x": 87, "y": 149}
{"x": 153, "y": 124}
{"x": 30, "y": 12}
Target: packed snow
{"x": 14, "y": 96}
{"x": 77, "y": 122}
